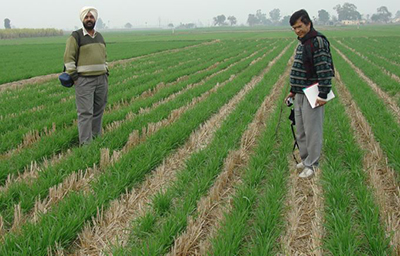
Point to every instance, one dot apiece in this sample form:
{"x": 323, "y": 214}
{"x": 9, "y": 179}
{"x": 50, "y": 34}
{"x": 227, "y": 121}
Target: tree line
{"x": 347, "y": 11}
{"x": 29, "y": 32}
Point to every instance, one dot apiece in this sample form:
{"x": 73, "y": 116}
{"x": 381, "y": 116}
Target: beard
{"x": 89, "y": 25}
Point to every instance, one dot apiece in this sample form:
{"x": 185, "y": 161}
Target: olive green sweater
{"x": 84, "y": 55}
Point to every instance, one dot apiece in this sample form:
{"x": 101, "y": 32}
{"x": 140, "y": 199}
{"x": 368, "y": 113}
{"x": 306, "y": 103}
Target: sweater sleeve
{"x": 70, "y": 57}
{"x": 323, "y": 66}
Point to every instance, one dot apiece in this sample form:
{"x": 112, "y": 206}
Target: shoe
{"x": 306, "y": 173}
{"x": 300, "y": 166}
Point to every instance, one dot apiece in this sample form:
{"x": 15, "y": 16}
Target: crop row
{"x": 378, "y": 46}
{"x": 30, "y": 60}
{"x": 373, "y": 55}
{"x": 382, "y": 121}
{"x": 373, "y": 72}
{"x": 64, "y": 112}
{"x": 82, "y": 157}
{"x": 352, "y": 219}
{"x": 160, "y": 111}
{"x": 48, "y": 144}
{"x": 171, "y": 208}
{"x": 138, "y": 66}
{"x": 129, "y": 170}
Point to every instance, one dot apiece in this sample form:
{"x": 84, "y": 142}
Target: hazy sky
{"x": 151, "y": 13}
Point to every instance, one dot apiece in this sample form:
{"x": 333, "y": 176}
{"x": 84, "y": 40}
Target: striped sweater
{"x": 323, "y": 68}
{"x": 84, "y": 55}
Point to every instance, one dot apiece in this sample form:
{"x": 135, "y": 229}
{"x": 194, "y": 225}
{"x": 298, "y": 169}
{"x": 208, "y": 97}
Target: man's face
{"x": 301, "y": 29}
{"x": 89, "y": 21}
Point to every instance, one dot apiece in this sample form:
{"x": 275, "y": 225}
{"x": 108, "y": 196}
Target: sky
{"x": 154, "y": 13}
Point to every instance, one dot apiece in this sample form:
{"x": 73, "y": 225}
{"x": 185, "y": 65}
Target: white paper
{"x": 312, "y": 92}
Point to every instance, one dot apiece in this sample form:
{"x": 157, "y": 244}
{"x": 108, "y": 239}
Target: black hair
{"x": 302, "y": 15}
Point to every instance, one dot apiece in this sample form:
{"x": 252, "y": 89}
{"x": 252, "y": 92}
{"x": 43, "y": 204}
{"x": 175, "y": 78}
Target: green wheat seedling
{"x": 36, "y": 151}
{"x": 59, "y": 171}
{"x": 61, "y": 224}
{"x": 202, "y": 169}
{"x": 384, "y": 81}
{"x": 379, "y": 56}
{"x": 257, "y": 207}
{"x": 42, "y": 59}
{"x": 14, "y": 136}
{"x": 136, "y": 106}
{"x": 381, "y": 120}
{"x": 352, "y": 220}
{"x": 380, "y": 46}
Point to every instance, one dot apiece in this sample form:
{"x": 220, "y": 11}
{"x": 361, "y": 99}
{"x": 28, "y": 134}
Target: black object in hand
{"x": 289, "y": 101}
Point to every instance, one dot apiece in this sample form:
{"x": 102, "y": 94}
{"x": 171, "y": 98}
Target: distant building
{"x": 397, "y": 20}
{"x": 353, "y": 22}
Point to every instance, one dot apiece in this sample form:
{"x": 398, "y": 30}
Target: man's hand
{"x": 290, "y": 95}
{"x": 319, "y": 102}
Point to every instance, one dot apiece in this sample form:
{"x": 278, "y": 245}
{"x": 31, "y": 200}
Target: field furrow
{"x": 303, "y": 232}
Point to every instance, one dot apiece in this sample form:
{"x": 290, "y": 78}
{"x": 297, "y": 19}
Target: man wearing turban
{"x": 85, "y": 61}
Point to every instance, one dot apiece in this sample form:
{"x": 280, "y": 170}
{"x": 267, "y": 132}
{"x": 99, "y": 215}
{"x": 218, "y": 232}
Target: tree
{"x": 397, "y": 15}
{"x": 285, "y": 20}
{"x": 323, "y": 16}
{"x": 262, "y": 18}
{"x": 252, "y": 20}
{"x": 170, "y": 25}
{"x": 186, "y": 26}
{"x": 128, "y": 25}
{"x": 7, "y": 23}
{"x": 347, "y": 12}
{"x": 100, "y": 24}
{"x": 275, "y": 15}
{"x": 382, "y": 15}
{"x": 232, "y": 20}
{"x": 219, "y": 20}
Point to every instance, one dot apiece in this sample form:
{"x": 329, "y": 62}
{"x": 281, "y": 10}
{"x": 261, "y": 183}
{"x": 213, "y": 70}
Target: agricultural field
{"x": 196, "y": 154}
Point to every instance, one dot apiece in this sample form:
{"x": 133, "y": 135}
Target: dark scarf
{"x": 308, "y": 51}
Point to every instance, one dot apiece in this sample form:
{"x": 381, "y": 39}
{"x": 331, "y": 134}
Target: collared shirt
{"x": 85, "y": 33}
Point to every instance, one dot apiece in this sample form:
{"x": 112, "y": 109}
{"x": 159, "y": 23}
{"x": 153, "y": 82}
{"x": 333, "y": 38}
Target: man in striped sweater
{"x": 85, "y": 61}
{"x": 312, "y": 64}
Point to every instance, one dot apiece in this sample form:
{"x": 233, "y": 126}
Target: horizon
{"x": 158, "y": 14}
